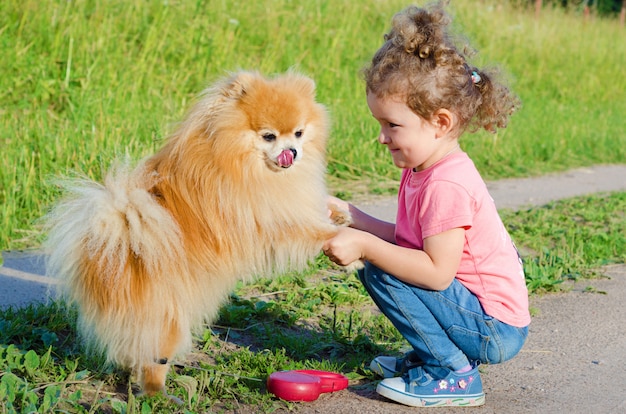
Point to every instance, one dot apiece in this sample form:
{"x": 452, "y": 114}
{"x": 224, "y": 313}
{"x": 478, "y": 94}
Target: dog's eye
{"x": 269, "y": 137}
{"x": 299, "y": 133}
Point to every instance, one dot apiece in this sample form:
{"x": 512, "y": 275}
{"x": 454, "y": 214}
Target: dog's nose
{"x": 294, "y": 152}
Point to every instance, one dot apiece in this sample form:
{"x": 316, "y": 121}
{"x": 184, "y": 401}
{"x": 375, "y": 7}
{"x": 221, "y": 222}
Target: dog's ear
{"x": 236, "y": 86}
{"x": 308, "y": 85}
{"x": 305, "y": 84}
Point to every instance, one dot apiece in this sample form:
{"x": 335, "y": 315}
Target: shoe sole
{"x": 413, "y": 400}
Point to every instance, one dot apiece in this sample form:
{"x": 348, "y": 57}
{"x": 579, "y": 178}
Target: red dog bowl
{"x": 330, "y": 381}
{"x": 305, "y": 384}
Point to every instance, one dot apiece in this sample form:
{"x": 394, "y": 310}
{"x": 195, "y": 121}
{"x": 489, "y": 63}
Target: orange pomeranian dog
{"x": 237, "y": 192}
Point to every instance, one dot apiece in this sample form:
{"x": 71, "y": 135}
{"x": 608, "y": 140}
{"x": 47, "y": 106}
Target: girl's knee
{"x": 369, "y": 275}
{"x": 375, "y": 281}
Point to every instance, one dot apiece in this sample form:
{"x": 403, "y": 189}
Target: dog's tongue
{"x": 285, "y": 158}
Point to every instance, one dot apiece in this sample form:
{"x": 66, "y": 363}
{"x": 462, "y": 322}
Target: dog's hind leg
{"x": 153, "y": 376}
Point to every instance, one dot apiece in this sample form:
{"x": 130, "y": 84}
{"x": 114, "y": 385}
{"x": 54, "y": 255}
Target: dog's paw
{"x": 338, "y": 216}
{"x": 341, "y": 217}
{"x": 353, "y": 267}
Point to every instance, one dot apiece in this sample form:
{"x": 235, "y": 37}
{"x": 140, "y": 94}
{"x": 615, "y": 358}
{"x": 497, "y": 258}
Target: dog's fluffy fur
{"x": 152, "y": 253}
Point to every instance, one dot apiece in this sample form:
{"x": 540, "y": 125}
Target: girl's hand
{"x": 345, "y": 248}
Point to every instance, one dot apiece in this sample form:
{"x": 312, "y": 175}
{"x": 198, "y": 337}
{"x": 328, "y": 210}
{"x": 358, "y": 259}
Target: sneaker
{"x": 418, "y": 389}
{"x": 389, "y": 367}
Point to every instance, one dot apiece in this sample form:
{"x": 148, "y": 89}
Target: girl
{"x": 446, "y": 274}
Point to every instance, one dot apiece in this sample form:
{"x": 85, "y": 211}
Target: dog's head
{"x": 275, "y": 122}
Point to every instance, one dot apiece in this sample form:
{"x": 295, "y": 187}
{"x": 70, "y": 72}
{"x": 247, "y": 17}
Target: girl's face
{"x": 412, "y": 141}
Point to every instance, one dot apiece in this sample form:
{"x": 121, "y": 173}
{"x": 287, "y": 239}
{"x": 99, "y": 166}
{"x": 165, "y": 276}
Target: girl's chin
{"x": 400, "y": 163}
{"x": 397, "y": 160}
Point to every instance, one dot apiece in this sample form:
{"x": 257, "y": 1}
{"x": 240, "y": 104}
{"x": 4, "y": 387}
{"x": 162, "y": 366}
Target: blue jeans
{"x": 448, "y": 328}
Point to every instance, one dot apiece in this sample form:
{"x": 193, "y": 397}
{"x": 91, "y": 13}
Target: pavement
{"x": 575, "y": 357}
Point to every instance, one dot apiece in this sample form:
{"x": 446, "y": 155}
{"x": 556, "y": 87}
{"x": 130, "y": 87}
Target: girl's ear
{"x": 444, "y": 121}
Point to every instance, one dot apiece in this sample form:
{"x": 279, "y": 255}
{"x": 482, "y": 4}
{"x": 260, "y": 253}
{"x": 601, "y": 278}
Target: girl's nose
{"x": 382, "y": 138}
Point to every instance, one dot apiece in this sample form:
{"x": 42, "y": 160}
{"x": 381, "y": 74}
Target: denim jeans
{"x": 448, "y": 329}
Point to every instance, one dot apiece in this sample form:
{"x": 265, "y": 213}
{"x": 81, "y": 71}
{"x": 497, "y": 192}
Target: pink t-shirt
{"x": 451, "y": 194}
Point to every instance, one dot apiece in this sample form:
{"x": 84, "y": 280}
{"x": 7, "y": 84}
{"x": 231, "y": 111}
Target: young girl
{"x": 446, "y": 274}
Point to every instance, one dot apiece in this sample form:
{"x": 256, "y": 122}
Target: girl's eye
{"x": 269, "y": 137}
{"x": 298, "y": 133}
{"x": 392, "y": 125}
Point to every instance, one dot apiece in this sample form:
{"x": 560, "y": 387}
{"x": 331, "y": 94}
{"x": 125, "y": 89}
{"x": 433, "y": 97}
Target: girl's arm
{"x": 432, "y": 268}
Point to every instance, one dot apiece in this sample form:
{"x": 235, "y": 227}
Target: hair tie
{"x": 475, "y": 77}
{"x": 423, "y": 52}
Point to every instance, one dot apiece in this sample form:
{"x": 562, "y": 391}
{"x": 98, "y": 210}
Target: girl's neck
{"x": 454, "y": 149}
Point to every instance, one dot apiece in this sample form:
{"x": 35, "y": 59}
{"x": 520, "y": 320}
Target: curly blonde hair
{"x": 421, "y": 62}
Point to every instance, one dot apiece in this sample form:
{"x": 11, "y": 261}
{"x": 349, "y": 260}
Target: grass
{"x": 569, "y": 239}
{"x": 83, "y": 82}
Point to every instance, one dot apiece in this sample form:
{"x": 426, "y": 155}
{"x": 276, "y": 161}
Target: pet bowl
{"x": 304, "y": 385}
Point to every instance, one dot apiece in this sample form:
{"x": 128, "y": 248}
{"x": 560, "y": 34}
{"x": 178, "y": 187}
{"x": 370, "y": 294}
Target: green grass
{"x": 569, "y": 239}
{"x": 82, "y": 83}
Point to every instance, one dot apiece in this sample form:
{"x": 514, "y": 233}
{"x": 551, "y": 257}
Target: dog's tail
{"x": 118, "y": 253}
